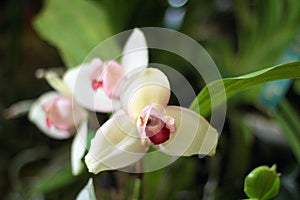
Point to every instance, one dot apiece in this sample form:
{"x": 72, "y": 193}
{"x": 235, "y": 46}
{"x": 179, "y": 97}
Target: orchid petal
{"x": 112, "y": 79}
{"x": 38, "y": 116}
{"x": 143, "y": 88}
{"x": 84, "y": 93}
{"x": 70, "y": 78}
{"x": 135, "y": 52}
{"x": 116, "y": 145}
{"x": 78, "y": 149}
{"x": 88, "y": 192}
{"x": 193, "y": 135}
{"x": 58, "y": 84}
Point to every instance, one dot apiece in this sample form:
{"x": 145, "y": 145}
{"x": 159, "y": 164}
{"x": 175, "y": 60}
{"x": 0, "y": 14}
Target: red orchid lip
{"x": 155, "y": 125}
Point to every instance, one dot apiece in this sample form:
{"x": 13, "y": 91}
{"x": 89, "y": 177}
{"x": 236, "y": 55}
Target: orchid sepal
{"x": 115, "y": 145}
{"x": 58, "y": 84}
{"x": 78, "y": 148}
{"x": 194, "y": 135}
{"x": 135, "y": 52}
{"x": 143, "y": 88}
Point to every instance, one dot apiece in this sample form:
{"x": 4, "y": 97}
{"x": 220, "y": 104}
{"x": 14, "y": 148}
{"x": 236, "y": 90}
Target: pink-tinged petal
{"x": 193, "y": 135}
{"x": 112, "y": 79}
{"x": 38, "y": 116}
{"x": 135, "y": 52}
{"x": 116, "y": 145}
{"x": 60, "y": 113}
{"x": 78, "y": 149}
{"x": 86, "y": 95}
{"x": 150, "y": 86}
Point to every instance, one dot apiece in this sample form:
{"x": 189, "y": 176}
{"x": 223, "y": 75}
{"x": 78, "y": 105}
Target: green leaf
{"x": 75, "y": 27}
{"x": 262, "y": 183}
{"x": 88, "y": 192}
{"x": 232, "y": 86}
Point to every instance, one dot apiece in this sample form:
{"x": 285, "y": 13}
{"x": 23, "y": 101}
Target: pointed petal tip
{"x": 94, "y": 166}
{"x": 135, "y": 51}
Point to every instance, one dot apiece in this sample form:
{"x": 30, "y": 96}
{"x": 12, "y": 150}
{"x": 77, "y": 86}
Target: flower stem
{"x": 138, "y": 186}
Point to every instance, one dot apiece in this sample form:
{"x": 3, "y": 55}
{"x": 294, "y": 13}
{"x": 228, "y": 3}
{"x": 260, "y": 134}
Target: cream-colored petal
{"x": 116, "y": 145}
{"x": 193, "y": 135}
{"x": 135, "y": 52}
{"x": 38, "y": 116}
{"x": 143, "y": 88}
{"x": 84, "y": 93}
{"x": 58, "y": 84}
{"x": 70, "y": 77}
{"x": 78, "y": 149}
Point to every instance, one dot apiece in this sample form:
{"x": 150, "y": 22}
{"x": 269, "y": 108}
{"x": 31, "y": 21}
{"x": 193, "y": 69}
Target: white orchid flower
{"x": 56, "y": 115}
{"x": 98, "y": 82}
{"x": 147, "y": 120}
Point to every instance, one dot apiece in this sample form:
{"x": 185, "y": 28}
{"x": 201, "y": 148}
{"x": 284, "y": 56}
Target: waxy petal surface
{"x": 135, "y": 52}
{"x": 78, "y": 149}
{"x": 116, "y": 145}
{"x": 70, "y": 78}
{"x": 80, "y": 82}
{"x": 151, "y": 86}
{"x": 193, "y": 135}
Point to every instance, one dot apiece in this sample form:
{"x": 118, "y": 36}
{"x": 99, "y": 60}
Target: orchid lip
{"x": 155, "y": 126}
{"x": 59, "y": 114}
{"x": 96, "y": 84}
{"x": 156, "y": 130}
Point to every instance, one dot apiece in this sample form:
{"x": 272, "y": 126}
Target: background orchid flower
{"x": 147, "y": 120}
{"x": 59, "y": 117}
{"x": 98, "y": 82}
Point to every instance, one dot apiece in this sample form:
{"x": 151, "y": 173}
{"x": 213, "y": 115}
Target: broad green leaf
{"x": 233, "y": 86}
{"x": 88, "y": 192}
{"x": 75, "y": 27}
{"x": 262, "y": 183}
